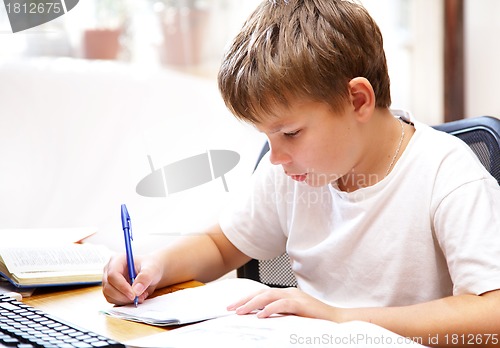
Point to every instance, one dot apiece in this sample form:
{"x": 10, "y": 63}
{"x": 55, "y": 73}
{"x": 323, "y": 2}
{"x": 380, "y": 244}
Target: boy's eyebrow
{"x": 274, "y": 128}
{"x": 277, "y": 128}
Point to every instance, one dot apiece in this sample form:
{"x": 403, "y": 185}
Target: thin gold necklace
{"x": 399, "y": 147}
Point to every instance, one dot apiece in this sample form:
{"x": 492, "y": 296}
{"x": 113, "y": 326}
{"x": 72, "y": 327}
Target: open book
{"x": 189, "y": 305}
{"x": 32, "y": 266}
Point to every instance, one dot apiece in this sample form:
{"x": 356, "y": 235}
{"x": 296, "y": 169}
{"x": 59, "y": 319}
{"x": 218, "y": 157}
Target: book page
{"x": 248, "y": 331}
{"x": 189, "y": 305}
{"x": 17, "y": 237}
{"x": 72, "y": 257}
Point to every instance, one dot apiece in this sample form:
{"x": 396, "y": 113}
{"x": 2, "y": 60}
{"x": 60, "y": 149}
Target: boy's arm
{"x": 204, "y": 257}
{"x": 455, "y": 321}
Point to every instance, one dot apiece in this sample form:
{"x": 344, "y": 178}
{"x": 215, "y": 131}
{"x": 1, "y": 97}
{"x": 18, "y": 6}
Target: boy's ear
{"x": 362, "y": 96}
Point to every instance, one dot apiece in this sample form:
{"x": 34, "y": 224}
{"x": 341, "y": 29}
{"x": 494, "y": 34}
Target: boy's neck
{"x": 386, "y": 138}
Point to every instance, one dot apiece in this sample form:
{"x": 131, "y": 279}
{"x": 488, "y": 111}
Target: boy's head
{"x": 291, "y": 49}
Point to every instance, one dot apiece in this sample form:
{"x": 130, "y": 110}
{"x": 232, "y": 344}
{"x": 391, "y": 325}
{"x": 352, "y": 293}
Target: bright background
{"x": 75, "y": 133}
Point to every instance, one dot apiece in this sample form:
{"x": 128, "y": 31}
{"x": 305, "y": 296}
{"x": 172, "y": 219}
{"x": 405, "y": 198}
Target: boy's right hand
{"x": 115, "y": 282}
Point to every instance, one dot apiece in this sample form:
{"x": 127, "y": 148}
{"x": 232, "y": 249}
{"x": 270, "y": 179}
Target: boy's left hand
{"x": 283, "y": 301}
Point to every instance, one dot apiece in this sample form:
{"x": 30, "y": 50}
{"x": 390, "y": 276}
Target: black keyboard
{"x": 23, "y": 326}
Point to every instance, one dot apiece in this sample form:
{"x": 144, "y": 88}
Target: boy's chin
{"x": 317, "y": 181}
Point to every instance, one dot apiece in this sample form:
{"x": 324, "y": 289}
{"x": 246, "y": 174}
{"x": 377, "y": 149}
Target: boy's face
{"x": 312, "y": 143}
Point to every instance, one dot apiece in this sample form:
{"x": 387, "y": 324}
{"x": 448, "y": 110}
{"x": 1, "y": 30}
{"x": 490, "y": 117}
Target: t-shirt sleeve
{"x": 252, "y": 220}
{"x": 467, "y": 226}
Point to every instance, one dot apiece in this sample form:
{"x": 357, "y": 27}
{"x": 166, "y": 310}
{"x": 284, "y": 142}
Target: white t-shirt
{"x": 430, "y": 229}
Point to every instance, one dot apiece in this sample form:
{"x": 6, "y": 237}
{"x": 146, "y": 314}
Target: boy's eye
{"x": 292, "y": 134}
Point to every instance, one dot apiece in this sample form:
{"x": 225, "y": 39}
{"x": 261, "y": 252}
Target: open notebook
{"x": 227, "y": 329}
{"x": 189, "y": 305}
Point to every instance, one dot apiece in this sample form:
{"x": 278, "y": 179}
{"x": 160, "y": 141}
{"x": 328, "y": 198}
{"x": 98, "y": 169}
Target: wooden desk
{"x": 82, "y": 306}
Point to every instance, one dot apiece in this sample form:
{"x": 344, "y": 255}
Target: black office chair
{"x": 482, "y": 134}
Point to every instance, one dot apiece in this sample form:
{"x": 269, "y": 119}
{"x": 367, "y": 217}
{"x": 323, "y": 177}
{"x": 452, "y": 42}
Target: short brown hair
{"x": 302, "y": 49}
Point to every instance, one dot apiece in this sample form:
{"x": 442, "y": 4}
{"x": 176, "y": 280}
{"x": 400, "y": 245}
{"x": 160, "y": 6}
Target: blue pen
{"x": 127, "y": 233}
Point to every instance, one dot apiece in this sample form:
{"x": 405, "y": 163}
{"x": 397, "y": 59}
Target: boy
{"x": 385, "y": 219}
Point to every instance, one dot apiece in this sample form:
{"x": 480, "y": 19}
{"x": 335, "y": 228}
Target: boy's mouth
{"x": 299, "y": 177}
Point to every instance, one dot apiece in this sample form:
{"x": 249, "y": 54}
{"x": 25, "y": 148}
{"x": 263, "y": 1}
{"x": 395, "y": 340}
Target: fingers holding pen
{"x": 117, "y": 293}
{"x": 126, "y": 280}
{"x": 149, "y": 270}
{"x": 116, "y": 285}
{"x": 143, "y": 286}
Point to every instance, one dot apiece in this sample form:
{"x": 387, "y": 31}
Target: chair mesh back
{"x": 485, "y": 146}
{"x": 283, "y": 278}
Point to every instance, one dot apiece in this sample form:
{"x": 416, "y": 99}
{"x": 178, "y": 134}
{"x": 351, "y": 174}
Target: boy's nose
{"x": 278, "y": 157}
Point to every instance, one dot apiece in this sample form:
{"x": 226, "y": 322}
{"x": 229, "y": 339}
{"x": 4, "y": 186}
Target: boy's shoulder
{"x": 442, "y": 142}
{"x": 448, "y": 156}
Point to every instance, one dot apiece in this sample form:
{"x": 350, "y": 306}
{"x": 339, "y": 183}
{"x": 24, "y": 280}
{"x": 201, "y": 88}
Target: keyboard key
{"x": 22, "y": 326}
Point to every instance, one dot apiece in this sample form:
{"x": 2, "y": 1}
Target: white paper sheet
{"x": 189, "y": 305}
{"x": 248, "y": 331}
